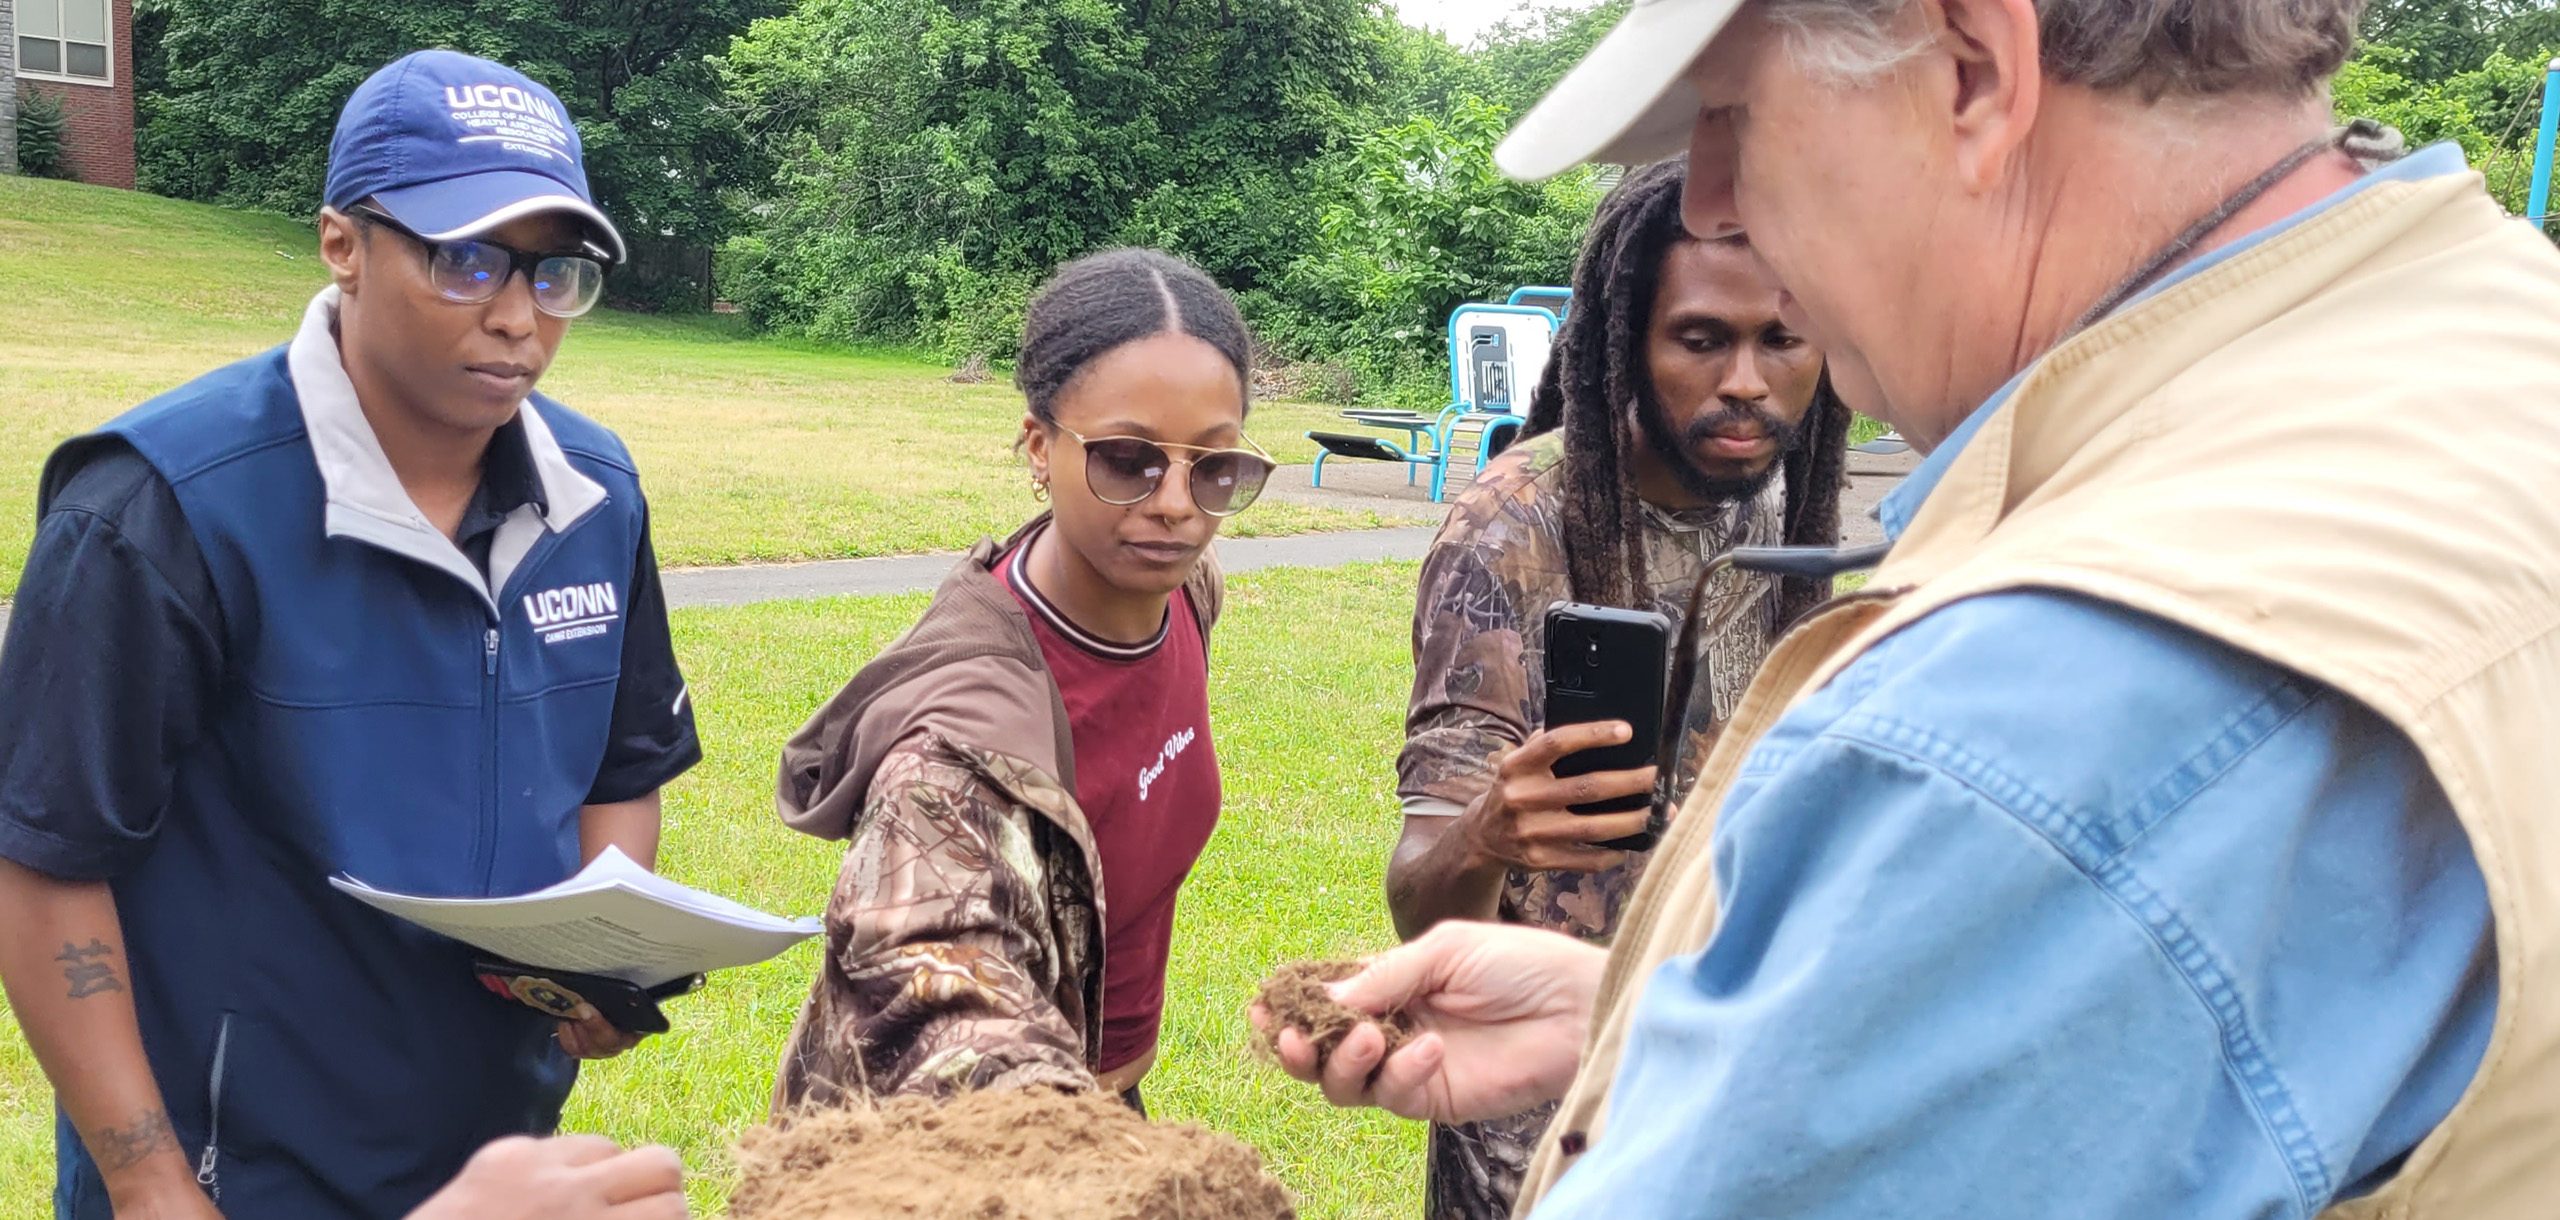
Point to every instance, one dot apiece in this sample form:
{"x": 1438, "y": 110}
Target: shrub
{"x": 40, "y": 135}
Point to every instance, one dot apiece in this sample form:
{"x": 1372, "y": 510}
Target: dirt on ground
{"x": 1296, "y": 998}
{"x": 1034, "y": 1155}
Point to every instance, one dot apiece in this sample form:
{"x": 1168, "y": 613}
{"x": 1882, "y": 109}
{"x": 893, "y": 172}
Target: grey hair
{"x": 2158, "y": 48}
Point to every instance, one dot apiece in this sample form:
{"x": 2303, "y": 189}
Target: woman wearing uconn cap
{"x": 367, "y": 604}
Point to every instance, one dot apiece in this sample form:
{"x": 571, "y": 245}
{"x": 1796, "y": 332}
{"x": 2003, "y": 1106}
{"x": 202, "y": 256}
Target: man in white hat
{"x": 2164, "y": 831}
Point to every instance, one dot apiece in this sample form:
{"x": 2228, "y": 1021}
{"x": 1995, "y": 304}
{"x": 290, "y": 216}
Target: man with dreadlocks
{"x": 1679, "y": 417}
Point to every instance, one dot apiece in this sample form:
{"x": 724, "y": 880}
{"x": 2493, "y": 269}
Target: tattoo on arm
{"x": 88, "y": 968}
{"x": 120, "y": 1148}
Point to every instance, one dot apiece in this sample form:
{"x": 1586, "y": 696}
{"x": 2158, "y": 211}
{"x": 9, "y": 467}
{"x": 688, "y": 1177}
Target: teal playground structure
{"x": 1557, "y": 301}
{"x": 2538, "y": 208}
{"x": 1497, "y": 353}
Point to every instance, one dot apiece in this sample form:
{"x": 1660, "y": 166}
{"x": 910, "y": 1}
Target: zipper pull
{"x": 205, "y": 1176}
{"x": 493, "y": 652}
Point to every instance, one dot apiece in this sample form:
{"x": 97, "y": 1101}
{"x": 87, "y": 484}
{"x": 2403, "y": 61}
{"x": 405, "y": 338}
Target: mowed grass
{"x": 1308, "y": 692}
{"x": 753, "y": 449}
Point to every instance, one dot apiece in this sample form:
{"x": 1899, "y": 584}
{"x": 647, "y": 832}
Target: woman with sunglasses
{"x": 1026, "y": 777}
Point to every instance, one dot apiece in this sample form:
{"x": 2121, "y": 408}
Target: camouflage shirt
{"x": 964, "y": 941}
{"x": 963, "y": 938}
{"x": 1479, "y": 675}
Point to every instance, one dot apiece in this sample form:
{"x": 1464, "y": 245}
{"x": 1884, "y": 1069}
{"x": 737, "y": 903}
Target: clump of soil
{"x": 1296, "y": 998}
{"x": 999, "y": 1155}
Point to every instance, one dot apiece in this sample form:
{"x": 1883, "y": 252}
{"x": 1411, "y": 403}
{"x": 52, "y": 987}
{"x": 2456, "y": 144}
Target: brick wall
{"x": 8, "y": 91}
{"x": 97, "y": 135}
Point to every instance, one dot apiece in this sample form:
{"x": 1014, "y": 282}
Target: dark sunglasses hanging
{"x": 1802, "y": 562}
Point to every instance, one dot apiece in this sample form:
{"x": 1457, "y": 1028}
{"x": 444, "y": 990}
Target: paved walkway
{"x": 689, "y": 588}
{"x": 1380, "y": 488}
{"x": 692, "y": 587}
{"x": 1373, "y": 486}
{"x": 1357, "y": 485}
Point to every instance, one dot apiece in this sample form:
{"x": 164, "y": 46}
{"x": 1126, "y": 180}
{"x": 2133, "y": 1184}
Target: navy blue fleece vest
{"x": 382, "y": 718}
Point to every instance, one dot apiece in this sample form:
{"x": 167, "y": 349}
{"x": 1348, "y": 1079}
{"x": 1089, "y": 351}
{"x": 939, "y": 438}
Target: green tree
{"x": 1422, "y": 222}
{"x": 936, "y": 158}
{"x": 1524, "y": 55}
{"x": 40, "y": 135}
{"x": 2445, "y": 38}
{"x": 1425, "y": 75}
{"x": 244, "y": 96}
{"x": 2384, "y": 83}
{"x": 2491, "y": 110}
{"x": 1331, "y": 166}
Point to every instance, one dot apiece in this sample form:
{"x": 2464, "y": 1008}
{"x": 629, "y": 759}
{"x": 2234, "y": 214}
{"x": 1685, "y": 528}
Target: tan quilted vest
{"x": 2340, "y": 451}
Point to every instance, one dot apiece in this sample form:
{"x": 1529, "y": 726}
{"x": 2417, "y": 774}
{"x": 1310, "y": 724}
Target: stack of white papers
{"x": 614, "y": 918}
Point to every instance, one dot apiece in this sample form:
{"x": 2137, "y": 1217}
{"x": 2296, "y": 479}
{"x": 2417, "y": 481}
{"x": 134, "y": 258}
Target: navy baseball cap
{"x": 453, "y": 146}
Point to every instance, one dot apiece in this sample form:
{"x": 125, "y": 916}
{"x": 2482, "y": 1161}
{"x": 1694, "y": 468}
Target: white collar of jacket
{"x": 366, "y": 501}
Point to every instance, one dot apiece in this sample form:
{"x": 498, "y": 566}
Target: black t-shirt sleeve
{"x": 652, "y": 738}
{"x": 110, "y": 671}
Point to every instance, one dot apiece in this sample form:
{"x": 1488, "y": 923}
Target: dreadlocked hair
{"x": 1099, "y": 302}
{"x": 1599, "y": 375}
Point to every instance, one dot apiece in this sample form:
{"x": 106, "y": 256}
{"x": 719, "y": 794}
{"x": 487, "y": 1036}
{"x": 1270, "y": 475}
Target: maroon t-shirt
{"x": 1147, "y": 777}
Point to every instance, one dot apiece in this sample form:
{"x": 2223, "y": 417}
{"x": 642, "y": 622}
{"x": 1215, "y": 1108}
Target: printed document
{"x": 614, "y": 918}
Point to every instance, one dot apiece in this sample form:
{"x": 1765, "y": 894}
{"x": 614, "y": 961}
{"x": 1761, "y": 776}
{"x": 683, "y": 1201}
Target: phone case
{"x": 558, "y": 993}
{"x": 1609, "y": 664}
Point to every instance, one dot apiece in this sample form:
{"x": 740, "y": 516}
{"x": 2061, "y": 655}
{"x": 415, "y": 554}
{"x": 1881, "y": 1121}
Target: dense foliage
{"x": 2445, "y": 38}
{"x": 2490, "y": 111}
{"x": 908, "y": 169}
{"x": 240, "y": 98}
{"x": 934, "y": 159}
{"x": 1417, "y": 221}
{"x": 922, "y": 195}
{"x": 2468, "y": 71}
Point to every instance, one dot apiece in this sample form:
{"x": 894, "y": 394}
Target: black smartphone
{"x": 1610, "y": 664}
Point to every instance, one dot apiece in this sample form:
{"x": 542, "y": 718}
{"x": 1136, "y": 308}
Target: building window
{"x": 64, "y": 40}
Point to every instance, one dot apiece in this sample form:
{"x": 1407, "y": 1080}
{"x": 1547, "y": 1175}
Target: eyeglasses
{"x": 473, "y": 271}
{"x": 1125, "y": 470}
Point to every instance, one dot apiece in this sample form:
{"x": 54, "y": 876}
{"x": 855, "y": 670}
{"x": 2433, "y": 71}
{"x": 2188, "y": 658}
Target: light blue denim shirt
{"x": 2045, "y": 908}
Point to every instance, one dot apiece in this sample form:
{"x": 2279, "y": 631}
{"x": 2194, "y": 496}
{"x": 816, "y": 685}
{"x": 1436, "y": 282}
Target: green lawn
{"x": 754, "y": 449}
{"x": 1308, "y": 704}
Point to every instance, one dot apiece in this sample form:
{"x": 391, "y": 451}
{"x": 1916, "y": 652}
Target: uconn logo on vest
{"x": 573, "y": 612}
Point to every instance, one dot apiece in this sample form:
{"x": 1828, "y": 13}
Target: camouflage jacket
{"x": 1479, "y": 652}
{"x": 964, "y": 934}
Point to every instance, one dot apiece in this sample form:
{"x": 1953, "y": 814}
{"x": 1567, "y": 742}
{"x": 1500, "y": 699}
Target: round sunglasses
{"x": 473, "y": 271}
{"x": 1125, "y": 470}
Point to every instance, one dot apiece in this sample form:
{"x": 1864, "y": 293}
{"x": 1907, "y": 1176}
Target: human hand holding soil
{"x": 1498, "y": 1015}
